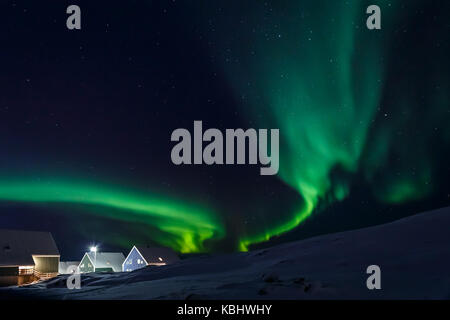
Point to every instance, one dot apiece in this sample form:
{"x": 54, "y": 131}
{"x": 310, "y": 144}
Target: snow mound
{"x": 413, "y": 254}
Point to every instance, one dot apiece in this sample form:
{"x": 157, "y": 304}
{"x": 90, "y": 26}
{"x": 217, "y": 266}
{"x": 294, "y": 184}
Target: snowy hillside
{"x": 413, "y": 254}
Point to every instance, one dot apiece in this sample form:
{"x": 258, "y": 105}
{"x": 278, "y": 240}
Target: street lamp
{"x": 94, "y": 250}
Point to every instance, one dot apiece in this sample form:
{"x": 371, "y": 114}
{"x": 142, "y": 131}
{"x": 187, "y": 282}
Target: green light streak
{"x": 316, "y": 98}
{"x": 318, "y": 77}
{"x": 185, "y": 227}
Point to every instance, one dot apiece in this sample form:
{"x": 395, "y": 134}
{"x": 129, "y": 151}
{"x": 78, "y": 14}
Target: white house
{"x": 101, "y": 262}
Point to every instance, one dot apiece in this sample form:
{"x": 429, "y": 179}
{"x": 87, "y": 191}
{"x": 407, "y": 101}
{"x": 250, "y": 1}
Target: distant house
{"x": 27, "y": 256}
{"x": 101, "y": 262}
{"x": 65, "y": 267}
{"x": 143, "y": 256}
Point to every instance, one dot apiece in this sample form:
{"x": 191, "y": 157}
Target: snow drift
{"x": 413, "y": 254}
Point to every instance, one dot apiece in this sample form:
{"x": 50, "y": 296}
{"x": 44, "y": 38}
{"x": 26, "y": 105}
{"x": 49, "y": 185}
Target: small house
{"x": 27, "y": 256}
{"x": 143, "y": 256}
{"x": 101, "y": 262}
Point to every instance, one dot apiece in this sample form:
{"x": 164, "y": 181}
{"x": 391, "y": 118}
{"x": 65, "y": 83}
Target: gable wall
{"x": 131, "y": 263}
{"x": 46, "y": 264}
{"x": 86, "y": 265}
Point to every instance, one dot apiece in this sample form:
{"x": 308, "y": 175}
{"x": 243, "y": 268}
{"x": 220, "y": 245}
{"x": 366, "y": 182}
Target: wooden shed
{"x": 27, "y": 256}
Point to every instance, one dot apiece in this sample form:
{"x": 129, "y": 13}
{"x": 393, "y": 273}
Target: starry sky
{"x": 86, "y": 118}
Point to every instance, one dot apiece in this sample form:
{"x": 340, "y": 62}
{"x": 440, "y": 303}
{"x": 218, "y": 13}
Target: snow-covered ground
{"x": 413, "y": 254}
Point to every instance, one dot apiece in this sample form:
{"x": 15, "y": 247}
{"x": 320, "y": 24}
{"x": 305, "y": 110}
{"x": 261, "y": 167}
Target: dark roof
{"x": 17, "y": 246}
{"x": 152, "y": 254}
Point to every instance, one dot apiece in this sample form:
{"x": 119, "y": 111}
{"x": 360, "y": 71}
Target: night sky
{"x": 86, "y": 118}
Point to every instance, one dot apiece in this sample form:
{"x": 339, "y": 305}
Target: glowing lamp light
{"x": 93, "y": 249}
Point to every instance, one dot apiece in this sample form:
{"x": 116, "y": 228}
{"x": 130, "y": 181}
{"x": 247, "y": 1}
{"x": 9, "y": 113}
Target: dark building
{"x": 27, "y": 256}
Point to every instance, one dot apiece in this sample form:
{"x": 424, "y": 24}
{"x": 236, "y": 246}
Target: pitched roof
{"x": 18, "y": 246}
{"x": 158, "y": 254}
{"x": 112, "y": 260}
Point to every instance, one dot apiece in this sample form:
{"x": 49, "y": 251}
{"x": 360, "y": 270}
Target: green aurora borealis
{"x": 318, "y": 74}
{"x": 184, "y": 227}
{"x": 355, "y": 108}
{"x": 321, "y": 100}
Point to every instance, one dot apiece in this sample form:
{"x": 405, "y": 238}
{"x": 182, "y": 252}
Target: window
{"x": 139, "y": 261}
